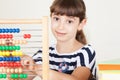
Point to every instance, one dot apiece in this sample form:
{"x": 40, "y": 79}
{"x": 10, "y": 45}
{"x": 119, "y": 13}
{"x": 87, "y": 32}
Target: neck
{"x": 68, "y": 47}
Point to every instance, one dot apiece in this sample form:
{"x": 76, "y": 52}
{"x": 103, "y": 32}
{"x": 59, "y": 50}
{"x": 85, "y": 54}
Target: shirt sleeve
{"x": 37, "y": 57}
{"x": 87, "y": 58}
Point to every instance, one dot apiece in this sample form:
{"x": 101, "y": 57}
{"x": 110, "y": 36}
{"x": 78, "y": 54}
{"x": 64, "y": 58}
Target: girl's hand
{"x": 27, "y": 62}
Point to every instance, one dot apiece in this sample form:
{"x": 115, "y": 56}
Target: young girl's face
{"x": 64, "y": 27}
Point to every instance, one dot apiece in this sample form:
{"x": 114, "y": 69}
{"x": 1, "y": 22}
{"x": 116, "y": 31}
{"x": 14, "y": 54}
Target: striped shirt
{"x": 67, "y": 62}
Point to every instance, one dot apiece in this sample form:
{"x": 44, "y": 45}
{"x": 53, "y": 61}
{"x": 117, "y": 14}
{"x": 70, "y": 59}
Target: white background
{"x": 102, "y": 28}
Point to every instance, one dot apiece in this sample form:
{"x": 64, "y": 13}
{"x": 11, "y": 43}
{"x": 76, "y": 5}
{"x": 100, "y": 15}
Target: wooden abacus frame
{"x": 45, "y": 48}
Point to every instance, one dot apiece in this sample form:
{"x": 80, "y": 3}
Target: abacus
{"x": 17, "y": 32}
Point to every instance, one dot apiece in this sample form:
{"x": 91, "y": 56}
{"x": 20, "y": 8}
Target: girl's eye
{"x": 56, "y": 18}
{"x": 69, "y": 21}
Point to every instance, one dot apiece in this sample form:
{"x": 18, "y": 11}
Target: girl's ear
{"x": 82, "y": 24}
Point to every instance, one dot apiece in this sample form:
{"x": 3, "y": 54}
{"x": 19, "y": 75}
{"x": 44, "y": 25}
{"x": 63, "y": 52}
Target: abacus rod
{"x": 20, "y": 21}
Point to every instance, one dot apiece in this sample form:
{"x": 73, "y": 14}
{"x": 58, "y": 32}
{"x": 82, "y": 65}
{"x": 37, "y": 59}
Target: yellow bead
{"x": 20, "y": 53}
{"x": 13, "y": 53}
{"x": 0, "y": 53}
{"x": 7, "y": 53}
{"x": 3, "y": 54}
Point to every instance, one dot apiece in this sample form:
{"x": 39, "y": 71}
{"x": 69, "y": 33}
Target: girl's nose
{"x": 61, "y": 25}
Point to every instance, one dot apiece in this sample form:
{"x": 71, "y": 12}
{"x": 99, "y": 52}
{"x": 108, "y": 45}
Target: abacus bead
{"x": 18, "y": 47}
{"x": 8, "y": 70}
{"x": 18, "y": 59}
{"x": 4, "y": 58}
{"x": 14, "y": 48}
{"x": 20, "y": 70}
{"x": 10, "y": 47}
{"x": 3, "y": 30}
{"x": 14, "y": 59}
{"x": 7, "y": 30}
{"x": 1, "y": 75}
{"x": 7, "y": 59}
{"x": 4, "y": 75}
{"x": 0, "y": 53}
{"x": 11, "y": 58}
{"x": 11, "y": 30}
{"x": 3, "y": 42}
{"x": 7, "y": 53}
{"x": 13, "y": 53}
{"x": 11, "y": 70}
{"x": 20, "y": 53}
{"x": 4, "y": 70}
{"x": 25, "y": 75}
{"x": 1, "y": 70}
{"x": 16, "y": 76}
{"x": 1, "y": 64}
{"x": 11, "y": 64}
{"x": 16, "y": 70}
{"x": 17, "y": 30}
{"x": 21, "y": 75}
{"x": 1, "y": 58}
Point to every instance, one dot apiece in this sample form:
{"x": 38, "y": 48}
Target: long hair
{"x": 74, "y": 8}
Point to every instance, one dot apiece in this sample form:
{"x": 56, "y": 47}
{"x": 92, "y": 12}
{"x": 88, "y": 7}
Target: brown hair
{"x": 71, "y": 8}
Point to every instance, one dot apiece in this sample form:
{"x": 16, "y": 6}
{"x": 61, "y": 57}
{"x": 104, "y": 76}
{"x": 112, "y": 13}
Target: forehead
{"x": 72, "y": 17}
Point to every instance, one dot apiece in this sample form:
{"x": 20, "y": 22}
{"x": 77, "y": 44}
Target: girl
{"x": 71, "y": 58}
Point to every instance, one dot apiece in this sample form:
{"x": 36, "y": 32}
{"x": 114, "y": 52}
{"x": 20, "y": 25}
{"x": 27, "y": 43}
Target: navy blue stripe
{"x": 90, "y": 54}
{"x": 65, "y": 56}
{"x": 67, "y": 72}
{"x": 57, "y": 63}
{"x": 93, "y": 66}
{"x": 82, "y": 60}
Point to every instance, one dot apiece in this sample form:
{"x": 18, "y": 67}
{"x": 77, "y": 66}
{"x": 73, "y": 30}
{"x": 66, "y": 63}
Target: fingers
{"x": 27, "y": 62}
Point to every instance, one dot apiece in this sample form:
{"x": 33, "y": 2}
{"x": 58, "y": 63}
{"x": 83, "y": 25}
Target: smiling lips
{"x": 60, "y": 33}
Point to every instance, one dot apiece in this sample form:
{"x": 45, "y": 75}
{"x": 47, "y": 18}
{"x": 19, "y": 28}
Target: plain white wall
{"x": 102, "y": 28}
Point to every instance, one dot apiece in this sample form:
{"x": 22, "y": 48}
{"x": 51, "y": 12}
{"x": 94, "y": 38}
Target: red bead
{"x": 10, "y": 36}
{"x": 11, "y": 64}
{"x": 25, "y": 36}
{"x": 4, "y": 36}
{"x": 29, "y": 36}
{"x": 4, "y": 64}
{"x": 1, "y": 65}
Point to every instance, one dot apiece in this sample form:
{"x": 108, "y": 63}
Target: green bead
{"x": 10, "y": 47}
{"x": 1, "y": 75}
{"x": 25, "y": 75}
{"x": 21, "y": 75}
{"x": 0, "y": 47}
{"x": 4, "y": 75}
{"x": 6, "y": 48}
{"x": 14, "y": 47}
{"x": 16, "y": 76}
{"x": 18, "y": 47}
{"x": 12, "y": 76}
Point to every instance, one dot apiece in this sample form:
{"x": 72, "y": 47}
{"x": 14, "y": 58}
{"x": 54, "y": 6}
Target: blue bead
{"x": 7, "y": 30}
{"x": 14, "y": 30}
{"x": 17, "y": 30}
{"x": 11, "y": 30}
{"x": 7, "y": 59}
{"x": 4, "y": 58}
{"x": 18, "y": 59}
{"x": 11, "y": 58}
{"x": 0, "y": 30}
{"x": 3, "y": 30}
{"x": 14, "y": 59}
{"x": 1, "y": 58}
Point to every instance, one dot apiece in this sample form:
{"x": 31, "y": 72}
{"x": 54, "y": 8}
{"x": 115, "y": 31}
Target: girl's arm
{"x": 80, "y": 73}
